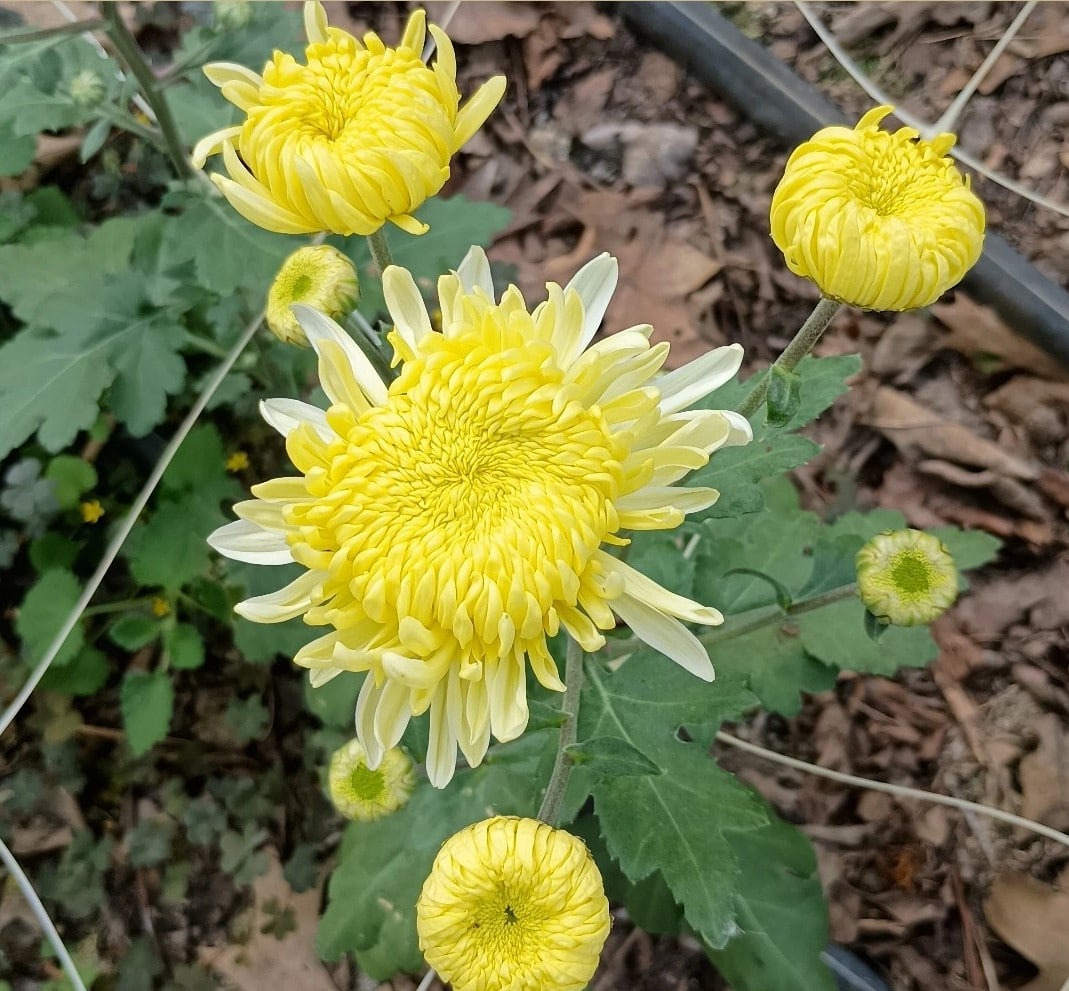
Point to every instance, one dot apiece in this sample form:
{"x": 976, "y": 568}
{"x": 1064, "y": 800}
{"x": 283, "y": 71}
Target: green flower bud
{"x": 358, "y": 792}
{"x": 906, "y": 577}
{"x": 87, "y": 89}
{"x": 321, "y": 277}
{"x": 233, "y": 15}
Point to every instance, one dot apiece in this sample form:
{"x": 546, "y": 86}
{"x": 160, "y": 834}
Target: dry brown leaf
{"x": 653, "y": 154}
{"x": 493, "y": 20}
{"x": 976, "y": 329}
{"x": 1034, "y": 919}
{"x": 919, "y": 432}
{"x": 1044, "y": 773}
{"x": 267, "y": 962}
{"x": 583, "y": 104}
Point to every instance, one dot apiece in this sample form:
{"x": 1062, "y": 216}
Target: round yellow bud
{"x": 906, "y": 577}
{"x": 364, "y": 793}
{"x": 321, "y": 277}
{"x": 879, "y": 220}
{"x": 513, "y": 905}
{"x": 357, "y": 135}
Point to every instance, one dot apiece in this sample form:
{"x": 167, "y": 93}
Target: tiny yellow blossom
{"x": 513, "y": 905}
{"x": 91, "y": 511}
{"x": 358, "y": 792}
{"x": 879, "y": 220}
{"x": 452, "y": 520}
{"x": 319, "y": 276}
{"x": 906, "y": 577}
{"x": 238, "y": 461}
{"x": 160, "y": 607}
{"x": 359, "y": 135}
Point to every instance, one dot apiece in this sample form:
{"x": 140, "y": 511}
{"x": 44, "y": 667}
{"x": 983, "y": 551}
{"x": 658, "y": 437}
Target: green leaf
{"x": 16, "y": 152}
{"x": 44, "y": 611}
{"x": 247, "y": 718}
{"x": 835, "y": 635}
{"x": 373, "y": 891}
{"x": 146, "y": 701}
{"x": 609, "y": 755}
{"x": 71, "y": 478}
{"x": 171, "y": 549}
{"x": 334, "y": 703}
{"x": 132, "y": 632}
{"x": 784, "y": 396}
{"x": 50, "y": 550}
{"x": 85, "y": 675}
{"x": 149, "y": 369}
{"x": 674, "y": 822}
{"x": 969, "y": 548}
{"x": 780, "y": 912}
{"x": 184, "y": 647}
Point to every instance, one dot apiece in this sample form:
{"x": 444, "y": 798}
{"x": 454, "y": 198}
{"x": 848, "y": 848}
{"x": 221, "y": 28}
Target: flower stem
{"x": 755, "y": 619}
{"x": 131, "y": 54}
{"x": 380, "y": 250}
{"x": 134, "y": 126}
{"x": 804, "y": 342}
{"x": 40, "y": 34}
{"x": 562, "y": 766}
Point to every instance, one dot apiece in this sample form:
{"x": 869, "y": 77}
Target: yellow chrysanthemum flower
{"x": 878, "y": 220}
{"x": 906, "y": 577}
{"x": 359, "y": 135}
{"x": 513, "y": 905}
{"x": 454, "y": 520}
{"x": 362, "y": 793}
{"x": 319, "y": 276}
{"x": 91, "y": 510}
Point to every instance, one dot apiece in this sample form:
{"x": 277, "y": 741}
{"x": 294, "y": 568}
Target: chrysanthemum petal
{"x": 595, "y": 283}
{"x": 474, "y": 272}
{"x": 212, "y": 144}
{"x": 639, "y": 587}
{"x": 285, "y": 415}
{"x": 686, "y": 500}
{"x": 259, "y": 209}
{"x": 244, "y": 541}
{"x": 665, "y": 634}
{"x": 315, "y": 22}
{"x": 479, "y": 106}
{"x": 287, "y": 603}
{"x": 405, "y": 304}
{"x": 695, "y": 380}
{"x": 321, "y": 328}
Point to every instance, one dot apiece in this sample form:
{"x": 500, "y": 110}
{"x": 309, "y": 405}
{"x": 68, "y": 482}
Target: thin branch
{"x": 38, "y": 909}
{"x": 428, "y": 979}
{"x": 41, "y": 34}
{"x": 899, "y": 790}
{"x": 562, "y": 766}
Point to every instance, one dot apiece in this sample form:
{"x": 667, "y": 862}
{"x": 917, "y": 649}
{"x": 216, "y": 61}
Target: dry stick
{"x": 900, "y": 790}
{"x": 123, "y": 531}
{"x": 38, "y": 909}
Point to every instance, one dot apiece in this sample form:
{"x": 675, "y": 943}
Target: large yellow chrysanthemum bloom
{"x": 513, "y": 905}
{"x": 454, "y": 520}
{"x": 878, "y": 220}
{"x": 359, "y": 135}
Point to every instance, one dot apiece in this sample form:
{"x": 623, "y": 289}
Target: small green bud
{"x": 87, "y": 89}
{"x": 363, "y": 793}
{"x": 906, "y": 578}
{"x": 233, "y": 15}
{"x": 784, "y": 395}
{"x": 320, "y": 277}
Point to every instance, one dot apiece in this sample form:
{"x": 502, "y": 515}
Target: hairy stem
{"x": 131, "y": 54}
{"x": 380, "y": 250}
{"x": 754, "y": 619}
{"x": 804, "y": 342}
{"x": 562, "y": 766}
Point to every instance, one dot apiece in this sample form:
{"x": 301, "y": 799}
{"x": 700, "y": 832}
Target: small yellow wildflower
{"x": 878, "y": 220}
{"x": 160, "y": 607}
{"x": 91, "y": 511}
{"x": 238, "y": 461}
{"x": 513, "y": 905}
{"x": 320, "y": 276}
{"x": 906, "y": 577}
{"x": 454, "y": 520}
{"x": 360, "y": 135}
{"x": 358, "y": 792}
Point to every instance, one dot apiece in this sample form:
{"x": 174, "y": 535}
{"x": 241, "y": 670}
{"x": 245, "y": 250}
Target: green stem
{"x": 40, "y": 34}
{"x": 176, "y": 70}
{"x": 131, "y": 54}
{"x": 380, "y": 250}
{"x": 755, "y": 619}
{"x": 202, "y": 344}
{"x": 562, "y": 766}
{"x": 122, "y": 606}
{"x": 128, "y": 123}
{"x": 804, "y": 342}
{"x": 365, "y": 339}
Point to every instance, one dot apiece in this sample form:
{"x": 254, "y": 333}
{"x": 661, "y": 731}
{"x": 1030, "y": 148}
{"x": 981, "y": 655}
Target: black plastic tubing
{"x": 781, "y": 103}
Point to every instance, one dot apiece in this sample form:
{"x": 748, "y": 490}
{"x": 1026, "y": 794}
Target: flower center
{"x": 510, "y": 929}
{"x": 911, "y": 573}
{"x": 471, "y": 503}
{"x": 365, "y": 785}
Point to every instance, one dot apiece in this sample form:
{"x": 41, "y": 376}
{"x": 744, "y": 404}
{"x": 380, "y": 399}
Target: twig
{"x": 40, "y": 34}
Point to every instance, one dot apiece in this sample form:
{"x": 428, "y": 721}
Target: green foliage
{"x": 71, "y": 478}
{"x": 133, "y": 631}
{"x": 241, "y": 855}
{"x": 147, "y": 701}
{"x": 184, "y": 646}
{"x": 149, "y": 842}
{"x": 608, "y": 756}
{"x": 43, "y": 612}
{"x": 674, "y": 822}
{"x": 204, "y": 821}
{"x": 373, "y": 890}
{"x": 780, "y": 911}
{"x": 75, "y": 884}
{"x": 247, "y": 718}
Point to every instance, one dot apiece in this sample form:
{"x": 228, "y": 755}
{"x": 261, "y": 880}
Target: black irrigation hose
{"x": 781, "y": 103}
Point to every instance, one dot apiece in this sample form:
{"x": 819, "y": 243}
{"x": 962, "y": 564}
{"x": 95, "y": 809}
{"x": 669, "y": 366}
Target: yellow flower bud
{"x": 91, "y": 511}
{"x": 358, "y": 135}
{"x": 513, "y": 905}
{"x": 239, "y": 460}
{"x": 879, "y": 220}
{"x": 906, "y": 577}
{"x": 360, "y": 792}
{"x": 321, "y": 277}
{"x": 160, "y": 607}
